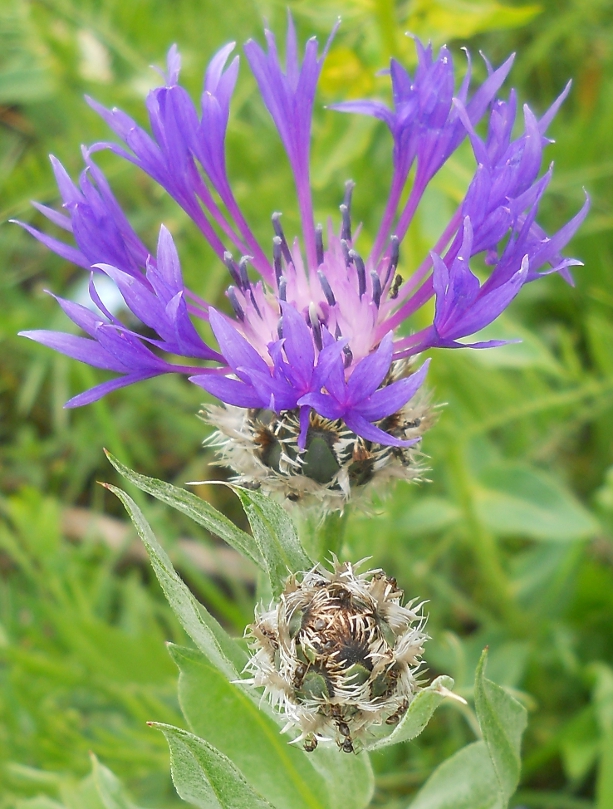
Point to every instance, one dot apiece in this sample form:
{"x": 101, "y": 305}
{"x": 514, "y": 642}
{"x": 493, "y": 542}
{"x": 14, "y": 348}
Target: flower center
{"x": 341, "y": 294}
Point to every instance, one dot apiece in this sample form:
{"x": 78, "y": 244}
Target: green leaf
{"x": 83, "y": 795}
{"x": 226, "y": 715}
{"x": 580, "y": 744}
{"x": 203, "y": 629}
{"x": 194, "y": 507}
{"x": 419, "y": 714}
{"x": 502, "y": 720}
{"x": 205, "y": 777}
{"x": 425, "y": 515}
{"x": 465, "y": 781}
{"x": 515, "y": 500}
{"x": 275, "y": 535}
{"x": 109, "y": 787}
{"x": 39, "y": 802}
{"x": 604, "y": 778}
{"x": 485, "y": 774}
{"x": 350, "y": 779}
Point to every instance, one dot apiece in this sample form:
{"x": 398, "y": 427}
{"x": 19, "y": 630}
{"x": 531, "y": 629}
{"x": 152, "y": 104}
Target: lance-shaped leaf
{"x": 465, "y": 781}
{"x": 226, "y": 715}
{"x": 275, "y": 535}
{"x": 194, "y": 507}
{"x": 205, "y": 777}
{"x": 109, "y": 787}
{"x": 502, "y": 720}
{"x": 485, "y": 774}
{"x": 419, "y": 714}
{"x": 203, "y": 629}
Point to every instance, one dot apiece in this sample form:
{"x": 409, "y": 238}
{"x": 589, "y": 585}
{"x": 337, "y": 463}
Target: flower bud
{"x": 338, "y": 654}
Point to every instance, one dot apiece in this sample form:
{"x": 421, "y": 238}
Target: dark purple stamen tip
{"x": 349, "y": 186}
{"x": 346, "y": 252}
{"x": 326, "y": 288}
{"x": 316, "y": 326}
{"x": 238, "y": 309}
{"x": 233, "y": 269}
{"x": 319, "y": 244}
{"x": 279, "y": 232}
{"x": 276, "y": 257}
{"x": 282, "y": 289}
{"x": 361, "y": 271}
{"x": 242, "y": 268}
{"x": 394, "y": 259}
{"x": 346, "y": 226}
{"x": 254, "y": 302}
{"x": 376, "y": 288}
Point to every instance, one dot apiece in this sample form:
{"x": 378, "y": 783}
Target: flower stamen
{"x": 360, "y": 269}
{"x": 326, "y": 288}
{"x": 319, "y": 244}
{"x": 287, "y": 255}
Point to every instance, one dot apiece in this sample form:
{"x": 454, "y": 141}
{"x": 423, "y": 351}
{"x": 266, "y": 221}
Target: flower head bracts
{"x": 338, "y": 655}
{"x": 312, "y": 341}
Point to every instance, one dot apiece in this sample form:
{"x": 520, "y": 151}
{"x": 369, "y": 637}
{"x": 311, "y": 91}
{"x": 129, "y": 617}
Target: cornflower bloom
{"x": 319, "y": 392}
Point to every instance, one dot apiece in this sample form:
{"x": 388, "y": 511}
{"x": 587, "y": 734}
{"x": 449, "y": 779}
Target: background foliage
{"x": 511, "y": 542}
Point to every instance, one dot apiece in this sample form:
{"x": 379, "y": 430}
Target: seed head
{"x": 338, "y": 654}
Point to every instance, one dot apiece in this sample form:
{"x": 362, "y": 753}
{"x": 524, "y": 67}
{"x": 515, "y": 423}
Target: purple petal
{"x": 370, "y": 372}
{"x": 391, "y": 398}
{"x": 98, "y": 391}
{"x": 64, "y": 250}
{"x": 59, "y": 219}
{"x": 83, "y": 317}
{"x": 329, "y": 371}
{"x": 235, "y": 349}
{"x": 323, "y": 404}
{"x": 376, "y": 109}
{"x": 305, "y": 418}
{"x": 79, "y": 348}
{"x": 230, "y": 391}
{"x": 298, "y": 345}
{"x": 366, "y": 430}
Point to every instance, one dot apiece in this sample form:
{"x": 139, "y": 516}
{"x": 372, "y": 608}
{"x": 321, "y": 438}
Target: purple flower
{"x": 317, "y": 332}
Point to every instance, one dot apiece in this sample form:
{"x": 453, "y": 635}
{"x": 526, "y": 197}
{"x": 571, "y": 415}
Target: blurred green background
{"x": 512, "y": 540}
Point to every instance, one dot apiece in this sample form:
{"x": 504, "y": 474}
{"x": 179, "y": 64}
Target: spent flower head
{"x": 320, "y": 394}
{"x": 338, "y": 654}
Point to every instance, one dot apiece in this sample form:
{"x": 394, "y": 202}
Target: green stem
{"x": 321, "y": 538}
{"x": 332, "y": 533}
